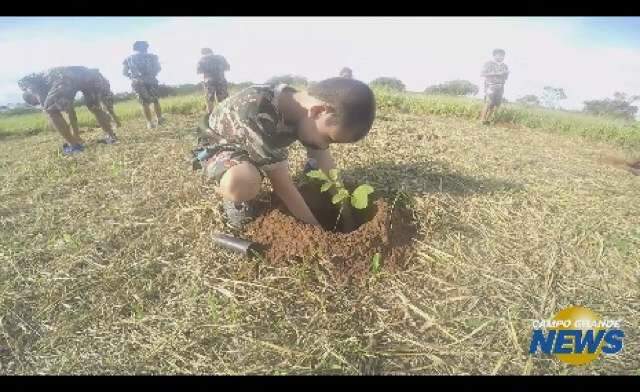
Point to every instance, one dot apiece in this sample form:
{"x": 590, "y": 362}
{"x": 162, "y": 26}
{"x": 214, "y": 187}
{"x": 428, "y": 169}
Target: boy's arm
{"x": 199, "y": 68}
{"x": 286, "y": 190}
{"x": 125, "y": 68}
{"x": 488, "y": 71}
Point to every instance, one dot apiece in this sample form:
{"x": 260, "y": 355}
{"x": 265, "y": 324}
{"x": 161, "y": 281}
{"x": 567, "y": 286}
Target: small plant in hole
{"x": 359, "y": 198}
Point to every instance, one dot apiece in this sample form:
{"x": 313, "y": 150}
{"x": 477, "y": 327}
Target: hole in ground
{"x": 382, "y": 228}
{"x": 328, "y": 214}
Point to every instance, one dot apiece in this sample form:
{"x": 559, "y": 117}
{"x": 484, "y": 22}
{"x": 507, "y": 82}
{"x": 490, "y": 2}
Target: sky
{"x": 590, "y": 58}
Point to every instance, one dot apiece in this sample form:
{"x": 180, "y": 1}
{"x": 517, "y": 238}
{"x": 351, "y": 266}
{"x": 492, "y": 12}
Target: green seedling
{"x": 359, "y": 198}
{"x": 375, "y": 263}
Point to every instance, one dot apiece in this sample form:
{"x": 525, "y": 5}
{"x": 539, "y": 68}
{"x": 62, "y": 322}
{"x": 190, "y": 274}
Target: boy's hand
{"x": 323, "y": 158}
{"x": 286, "y": 190}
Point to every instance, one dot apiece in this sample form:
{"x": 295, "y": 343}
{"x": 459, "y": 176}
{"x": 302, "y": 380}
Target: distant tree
{"x": 288, "y": 79}
{"x": 240, "y": 86}
{"x": 188, "y": 88}
{"x": 390, "y": 83}
{"x": 618, "y": 107}
{"x": 551, "y": 96}
{"x": 530, "y": 99}
{"x": 453, "y": 87}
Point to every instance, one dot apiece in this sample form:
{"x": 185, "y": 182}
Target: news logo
{"x": 577, "y": 336}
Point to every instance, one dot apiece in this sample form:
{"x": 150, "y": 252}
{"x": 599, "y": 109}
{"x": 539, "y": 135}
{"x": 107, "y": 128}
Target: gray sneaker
{"x": 238, "y": 214}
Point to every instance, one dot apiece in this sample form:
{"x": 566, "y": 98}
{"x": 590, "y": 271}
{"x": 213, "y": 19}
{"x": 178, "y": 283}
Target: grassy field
{"x": 619, "y": 132}
{"x": 107, "y": 264}
{"x": 34, "y": 123}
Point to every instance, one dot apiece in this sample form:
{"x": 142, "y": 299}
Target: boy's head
{"x": 341, "y": 110}
{"x": 140, "y": 46}
{"x": 498, "y": 55}
{"x": 206, "y": 51}
{"x": 30, "y": 98}
{"x": 346, "y": 72}
{"x": 32, "y": 85}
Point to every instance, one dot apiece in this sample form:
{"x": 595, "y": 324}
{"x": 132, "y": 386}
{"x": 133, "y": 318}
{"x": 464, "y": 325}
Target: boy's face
{"x": 498, "y": 57}
{"x": 31, "y": 98}
{"x": 319, "y": 128}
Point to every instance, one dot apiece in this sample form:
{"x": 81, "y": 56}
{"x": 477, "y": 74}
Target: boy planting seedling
{"x": 248, "y": 135}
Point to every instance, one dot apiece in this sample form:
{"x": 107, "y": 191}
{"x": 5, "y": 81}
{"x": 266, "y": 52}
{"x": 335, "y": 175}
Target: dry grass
{"x": 107, "y": 264}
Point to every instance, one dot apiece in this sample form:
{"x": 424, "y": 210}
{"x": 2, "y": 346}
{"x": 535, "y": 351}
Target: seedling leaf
{"x": 333, "y": 174}
{"x": 319, "y": 174}
{"x": 341, "y": 195}
{"x": 375, "y": 263}
{"x": 360, "y": 196}
{"x": 326, "y": 186}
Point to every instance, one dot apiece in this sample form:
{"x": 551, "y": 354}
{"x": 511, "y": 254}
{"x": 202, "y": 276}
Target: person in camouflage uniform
{"x": 55, "y": 90}
{"x": 212, "y": 67}
{"x": 495, "y": 73}
{"x": 247, "y": 135}
{"x": 143, "y": 68}
{"x": 346, "y": 72}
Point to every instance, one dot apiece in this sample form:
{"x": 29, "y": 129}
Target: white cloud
{"x": 419, "y": 51}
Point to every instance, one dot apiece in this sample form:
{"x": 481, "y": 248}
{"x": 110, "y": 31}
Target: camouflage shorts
{"x": 60, "y": 97}
{"x": 216, "y": 89}
{"x": 493, "y": 94}
{"x": 215, "y": 167}
{"x": 147, "y": 91}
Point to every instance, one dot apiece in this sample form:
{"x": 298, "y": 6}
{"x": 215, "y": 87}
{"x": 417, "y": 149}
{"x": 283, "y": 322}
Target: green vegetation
{"x": 34, "y": 123}
{"x": 622, "y": 132}
{"x": 617, "y": 131}
{"x": 359, "y": 198}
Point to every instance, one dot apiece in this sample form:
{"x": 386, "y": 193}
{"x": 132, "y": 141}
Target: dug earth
{"x": 382, "y": 228}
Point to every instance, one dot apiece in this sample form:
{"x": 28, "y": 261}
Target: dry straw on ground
{"x": 107, "y": 264}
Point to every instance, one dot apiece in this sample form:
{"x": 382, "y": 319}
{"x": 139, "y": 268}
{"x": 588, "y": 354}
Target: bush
{"x": 453, "y": 87}
{"x": 529, "y": 100}
{"x": 389, "y": 83}
{"x": 618, "y": 107}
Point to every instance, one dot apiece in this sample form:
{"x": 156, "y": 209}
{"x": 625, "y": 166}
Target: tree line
{"x": 619, "y": 106}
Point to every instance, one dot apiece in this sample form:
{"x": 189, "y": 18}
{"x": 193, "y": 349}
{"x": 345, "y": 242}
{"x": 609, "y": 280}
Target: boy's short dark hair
{"x": 353, "y": 102}
{"x": 33, "y": 82}
{"x": 498, "y": 51}
{"x": 140, "y": 46}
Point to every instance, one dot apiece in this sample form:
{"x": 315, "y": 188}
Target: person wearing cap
{"x": 55, "y": 90}
{"x": 212, "y": 68}
{"x": 143, "y": 68}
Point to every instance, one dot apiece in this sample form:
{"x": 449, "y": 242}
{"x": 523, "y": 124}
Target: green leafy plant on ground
{"x": 359, "y": 198}
{"x": 375, "y": 263}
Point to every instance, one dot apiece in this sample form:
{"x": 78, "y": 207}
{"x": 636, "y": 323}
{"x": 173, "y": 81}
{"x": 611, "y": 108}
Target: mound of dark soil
{"x": 379, "y": 229}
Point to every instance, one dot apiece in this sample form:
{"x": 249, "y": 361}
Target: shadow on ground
{"x": 422, "y": 178}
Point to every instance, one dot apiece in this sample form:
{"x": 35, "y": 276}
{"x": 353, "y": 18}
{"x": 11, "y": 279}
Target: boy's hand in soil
{"x": 286, "y": 190}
